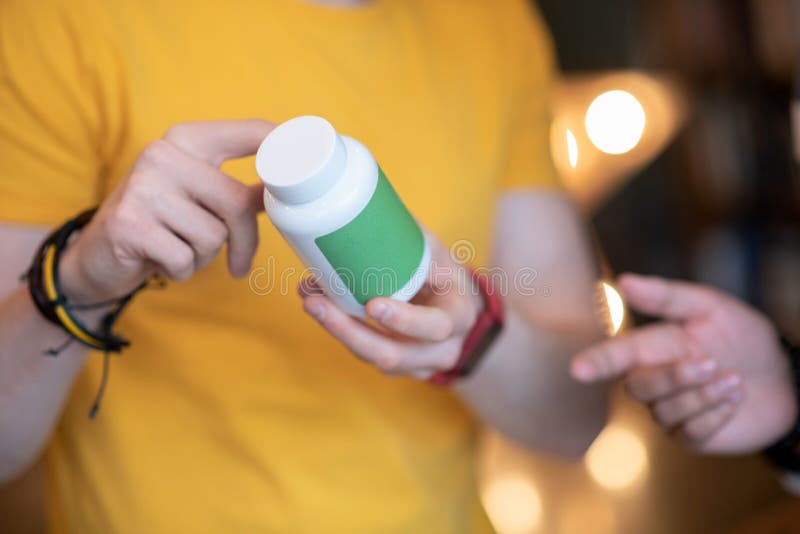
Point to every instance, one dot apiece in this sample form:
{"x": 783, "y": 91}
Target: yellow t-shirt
{"x": 232, "y": 411}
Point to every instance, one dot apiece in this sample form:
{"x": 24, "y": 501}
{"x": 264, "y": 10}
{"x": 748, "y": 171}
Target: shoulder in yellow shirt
{"x": 232, "y": 411}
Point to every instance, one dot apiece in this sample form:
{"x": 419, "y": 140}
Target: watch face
{"x": 480, "y": 348}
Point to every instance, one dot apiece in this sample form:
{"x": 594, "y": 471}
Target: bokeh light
{"x": 618, "y": 459}
{"x": 615, "y": 122}
{"x": 513, "y": 504}
{"x": 616, "y": 307}
{"x": 572, "y": 149}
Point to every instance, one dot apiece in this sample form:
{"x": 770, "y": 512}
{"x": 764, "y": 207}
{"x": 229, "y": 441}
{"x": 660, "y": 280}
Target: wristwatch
{"x": 487, "y": 327}
{"x": 785, "y": 453}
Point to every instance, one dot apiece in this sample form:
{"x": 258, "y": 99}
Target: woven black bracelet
{"x": 45, "y": 291}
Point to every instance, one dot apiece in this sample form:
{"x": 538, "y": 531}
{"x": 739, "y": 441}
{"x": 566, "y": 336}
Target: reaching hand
{"x": 712, "y": 371}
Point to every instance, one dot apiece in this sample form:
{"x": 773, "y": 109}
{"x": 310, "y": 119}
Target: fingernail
{"x": 699, "y": 370}
{"x": 381, "y": 311}
{"x": 724, "y": 385}
{"x": 317, "y": 311}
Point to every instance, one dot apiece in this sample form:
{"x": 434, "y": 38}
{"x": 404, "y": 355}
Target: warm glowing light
{"x": 513, "y": 504}
{"x": 587, "y": 512}
{"x": 617, "y": 459}
{"x": 572, "y": 149}
{"x": 615, "y": 122}
{"x": 616, "y": 308}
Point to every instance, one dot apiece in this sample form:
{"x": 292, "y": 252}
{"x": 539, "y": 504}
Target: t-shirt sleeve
{"x": 528, "y": 161}
{"x": 53, "y": 132}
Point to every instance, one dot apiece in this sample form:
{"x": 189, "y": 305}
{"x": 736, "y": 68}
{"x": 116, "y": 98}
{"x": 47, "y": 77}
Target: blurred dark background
{"x": 721, "y": 204}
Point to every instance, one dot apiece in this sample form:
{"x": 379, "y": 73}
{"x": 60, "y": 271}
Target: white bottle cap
{"x": 300, "y": 160}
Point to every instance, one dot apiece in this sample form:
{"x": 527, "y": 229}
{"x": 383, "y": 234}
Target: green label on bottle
{"x": 380, "y": 250}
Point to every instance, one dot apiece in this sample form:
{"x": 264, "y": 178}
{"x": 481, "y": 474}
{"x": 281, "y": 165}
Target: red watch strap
{"x": 486, "y": 327}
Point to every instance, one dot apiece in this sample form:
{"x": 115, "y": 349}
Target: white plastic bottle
{"x": 330, "y": 200}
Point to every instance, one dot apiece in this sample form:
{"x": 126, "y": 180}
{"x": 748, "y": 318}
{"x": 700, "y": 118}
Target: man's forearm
{"x": 32, "y": 385}
{"x": 523, "y": 388}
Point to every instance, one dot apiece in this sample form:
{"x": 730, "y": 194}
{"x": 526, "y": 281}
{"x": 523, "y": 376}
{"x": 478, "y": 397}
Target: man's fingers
{"x": 198, "y": 227}
{"x": 677, "y": 409}
{"x": 390, "y": 355}
{"x": 667, "y": 298}
{"x": 242, "y": 219}
{"x": 648, "y": 384}
{"x": 217, "y": 141}
{"x": 651, "y": 345}
{"x": 228, "y": 199}
{"x": 703, "y": 426}
{"x": 171, "y": 254}
{"x": 422, "y": 322}
{"x": 236, "y": 204}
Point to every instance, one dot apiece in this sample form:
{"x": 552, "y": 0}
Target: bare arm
{"x": 32, "y": 386}
{"x": 523, "y": 386}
